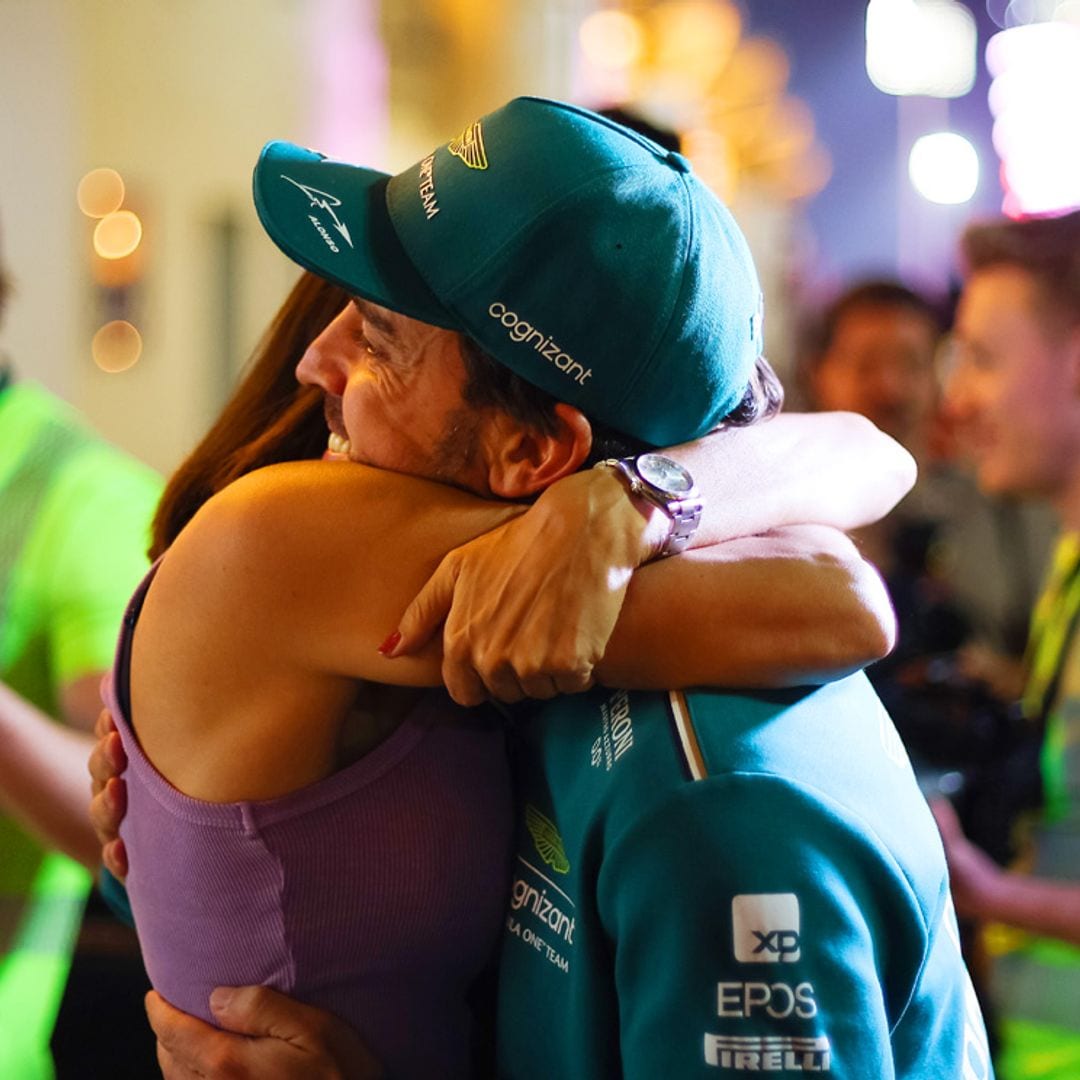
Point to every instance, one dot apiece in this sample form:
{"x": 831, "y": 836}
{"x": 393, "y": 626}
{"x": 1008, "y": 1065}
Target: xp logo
{"x": 765, "y": 928}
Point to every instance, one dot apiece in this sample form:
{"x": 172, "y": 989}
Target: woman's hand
{"x": 529, "y": 607}
{"x": 108, "y": 802}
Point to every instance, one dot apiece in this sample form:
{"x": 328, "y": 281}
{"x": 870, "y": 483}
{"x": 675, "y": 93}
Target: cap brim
{"x": 332, "y": 219}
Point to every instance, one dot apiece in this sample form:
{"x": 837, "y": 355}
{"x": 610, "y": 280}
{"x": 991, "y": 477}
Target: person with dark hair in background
{"x": 961, "y": 566}
{"x": 74, "y": 516}
{"x": 1014, "y": 393}
{"x": 461, "y": 358}
{"x": 875, "y": 351}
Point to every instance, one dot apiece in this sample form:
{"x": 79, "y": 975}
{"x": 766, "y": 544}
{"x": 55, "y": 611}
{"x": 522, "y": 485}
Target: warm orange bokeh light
{"x": 100, "y": 192}
{"x": 695, "y": 37}
{"x": 116, "y": 347}
{"x": 118, "y": 234}
{"x": 612, "y": 39}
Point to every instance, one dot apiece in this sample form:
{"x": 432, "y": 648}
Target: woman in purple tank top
{"x": 292, "y": 822}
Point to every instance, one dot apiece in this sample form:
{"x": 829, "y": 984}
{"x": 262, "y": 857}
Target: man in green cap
{"x": 704, "y": 882}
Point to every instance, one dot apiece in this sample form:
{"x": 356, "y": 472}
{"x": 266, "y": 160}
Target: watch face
{"x": 663, "y": 473}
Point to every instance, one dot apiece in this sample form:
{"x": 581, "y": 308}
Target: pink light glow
{"x": 349, "y": 79}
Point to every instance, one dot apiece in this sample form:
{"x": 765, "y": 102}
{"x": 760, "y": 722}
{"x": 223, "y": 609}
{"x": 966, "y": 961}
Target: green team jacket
{"x": 712, "y": 884}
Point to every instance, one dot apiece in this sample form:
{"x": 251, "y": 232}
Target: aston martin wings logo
{"x": 469, "y": 146}
{"x": 547, "y": 839}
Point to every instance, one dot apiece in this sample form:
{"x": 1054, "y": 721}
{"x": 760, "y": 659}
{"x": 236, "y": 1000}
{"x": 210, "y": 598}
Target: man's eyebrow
{"x": 374, "y": 316}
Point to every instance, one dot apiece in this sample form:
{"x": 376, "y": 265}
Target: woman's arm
{"x": 832, "y": 468}
{"x": 341, "y": 548}
{"x": 528, "y": 611}
{"x": 792, "y": 607}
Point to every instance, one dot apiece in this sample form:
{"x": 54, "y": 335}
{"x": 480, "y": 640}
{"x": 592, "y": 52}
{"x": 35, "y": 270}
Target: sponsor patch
{"x": 765, "y": 928}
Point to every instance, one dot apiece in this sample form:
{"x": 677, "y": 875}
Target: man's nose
{"x": 317, "y": 366}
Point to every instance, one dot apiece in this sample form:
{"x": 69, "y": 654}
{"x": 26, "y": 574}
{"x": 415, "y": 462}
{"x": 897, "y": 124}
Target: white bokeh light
{"x": 944, "y": 167}
{"x": 920, "y": 47}
{"x": 1035, "y": 100}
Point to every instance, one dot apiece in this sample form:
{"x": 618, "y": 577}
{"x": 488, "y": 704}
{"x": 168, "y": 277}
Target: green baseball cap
{"x": 580, "y": 254}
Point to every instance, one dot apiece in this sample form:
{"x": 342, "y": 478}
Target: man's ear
{"x": 523, "y": 461}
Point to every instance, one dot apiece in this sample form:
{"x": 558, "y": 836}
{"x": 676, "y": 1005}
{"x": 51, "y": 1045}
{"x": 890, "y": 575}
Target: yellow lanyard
{"x": 1052, "y": 625}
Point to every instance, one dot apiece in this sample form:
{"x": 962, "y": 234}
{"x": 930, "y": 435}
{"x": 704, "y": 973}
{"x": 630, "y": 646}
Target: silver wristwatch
{"x": 667, "y": 485}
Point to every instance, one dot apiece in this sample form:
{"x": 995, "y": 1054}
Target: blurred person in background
{"x": 1014, "y": 393}
{"x": 962, "y": 566}
{"x": 74, "y": 529}
{"x": 875, "y": 352}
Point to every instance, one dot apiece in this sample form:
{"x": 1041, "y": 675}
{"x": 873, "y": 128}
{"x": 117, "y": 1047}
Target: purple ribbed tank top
{"x": 377, "y": 893}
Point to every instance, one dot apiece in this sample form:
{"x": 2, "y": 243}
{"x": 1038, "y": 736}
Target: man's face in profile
{"x": 1011, "y": 388}
{"x": 393, "y": 392}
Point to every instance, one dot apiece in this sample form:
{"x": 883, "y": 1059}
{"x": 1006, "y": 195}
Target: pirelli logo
{"x": 469, "y": 147}
{"x": 768, "y": 1053}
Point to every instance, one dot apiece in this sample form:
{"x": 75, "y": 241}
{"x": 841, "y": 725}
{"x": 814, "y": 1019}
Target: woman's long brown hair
{"x": 269, "y": 418}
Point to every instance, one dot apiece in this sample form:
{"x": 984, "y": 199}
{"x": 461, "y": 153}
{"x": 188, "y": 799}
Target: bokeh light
{"x": 686, "y": 67}
{"x": 117, "y": 235}
{"x": 116, "y": 347}
{"x": 1035, "y": 99}
{"x": 612, "y": 39}
{"x": 1011, "y": 13}
{"x": 695, "y": 37}
{"x": 920, "y": 48}
{"x": 100, "y": 192}
{"x": 944, "y": 167}
{"x": 1026, "y": 12}
{"x": 1068, "y": 11}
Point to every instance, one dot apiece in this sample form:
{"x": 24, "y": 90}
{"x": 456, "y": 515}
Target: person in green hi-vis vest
{"x": 1015, "y": 393}
{"x": 74, "y": 517}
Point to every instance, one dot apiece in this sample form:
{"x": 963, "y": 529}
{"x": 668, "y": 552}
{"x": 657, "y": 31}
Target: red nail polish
{"x": 391, "y": 643}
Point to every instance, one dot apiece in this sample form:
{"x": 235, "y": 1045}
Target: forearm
{"x": 782, "y": 610}
{"x": 1038, "y": 905}
{"x": 43, "y": 779}
{"x": 833, "y": 469}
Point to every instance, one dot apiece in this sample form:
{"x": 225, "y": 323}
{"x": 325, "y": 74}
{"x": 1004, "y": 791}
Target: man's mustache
{"x": 332, "y": 411}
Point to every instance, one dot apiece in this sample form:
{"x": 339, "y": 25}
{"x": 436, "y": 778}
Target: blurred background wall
{"x": 773, "y": 98}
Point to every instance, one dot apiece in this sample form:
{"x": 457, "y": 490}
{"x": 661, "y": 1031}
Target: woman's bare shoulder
{"x": 342, "y": 548}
